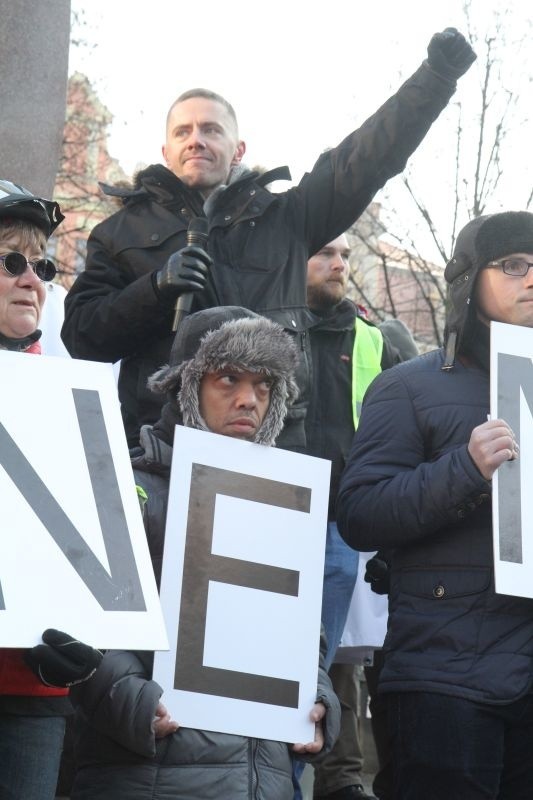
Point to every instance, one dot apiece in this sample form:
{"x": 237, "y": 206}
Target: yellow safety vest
{"x": 366, "y": 363}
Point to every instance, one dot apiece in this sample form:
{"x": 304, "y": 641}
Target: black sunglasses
{"x": 15, "y": 264}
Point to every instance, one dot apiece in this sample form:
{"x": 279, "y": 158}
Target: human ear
{"x": 239, "y": 153}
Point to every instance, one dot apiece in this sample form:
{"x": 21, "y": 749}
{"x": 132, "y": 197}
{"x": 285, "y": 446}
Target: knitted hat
{"x": 230, "y": 336}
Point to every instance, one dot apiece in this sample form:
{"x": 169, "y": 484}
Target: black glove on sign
{"x": 62, "y": 661}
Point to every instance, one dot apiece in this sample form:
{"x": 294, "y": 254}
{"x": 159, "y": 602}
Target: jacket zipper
{"x": 254, "y": 778}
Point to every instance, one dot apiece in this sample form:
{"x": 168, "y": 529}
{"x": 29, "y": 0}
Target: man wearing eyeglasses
{"x": 458, "y": 665}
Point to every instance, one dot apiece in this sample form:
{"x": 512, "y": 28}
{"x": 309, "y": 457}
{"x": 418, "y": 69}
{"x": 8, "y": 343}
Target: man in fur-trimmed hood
{"x": 256, "y": 356}
{"x": 231, "y": 372}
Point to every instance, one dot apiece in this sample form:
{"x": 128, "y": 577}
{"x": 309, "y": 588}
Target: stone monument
{"x": 34, "y": 48}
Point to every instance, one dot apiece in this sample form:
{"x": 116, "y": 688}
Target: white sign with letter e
{"x": 73, "y": 552}
{"x": 241, "y": 586}
{"x": 511, "y": 395}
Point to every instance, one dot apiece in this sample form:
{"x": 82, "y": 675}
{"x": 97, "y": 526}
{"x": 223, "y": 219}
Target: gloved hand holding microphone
{"x": 186, "y": 270}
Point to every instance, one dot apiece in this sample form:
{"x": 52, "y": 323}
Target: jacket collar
{"x": 340, "y": 318}
{"x": 28, "y": 343}
{"x": 160, "y": 181}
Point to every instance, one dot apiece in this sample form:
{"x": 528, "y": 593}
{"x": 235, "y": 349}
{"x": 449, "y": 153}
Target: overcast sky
{"x": 300, "y": 73}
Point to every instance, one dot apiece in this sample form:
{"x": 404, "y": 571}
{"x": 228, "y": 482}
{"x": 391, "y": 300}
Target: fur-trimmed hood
{"x": 158, "y": 180}
{"x": 230, "y": 336}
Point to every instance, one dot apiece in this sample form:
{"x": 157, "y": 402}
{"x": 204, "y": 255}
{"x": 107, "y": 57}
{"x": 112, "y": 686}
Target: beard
{"x": 326, "y": 296}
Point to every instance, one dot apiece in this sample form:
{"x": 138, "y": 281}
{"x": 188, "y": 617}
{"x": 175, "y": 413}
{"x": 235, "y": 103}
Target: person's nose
{"x": 196, "y": 139}
{"x": 338, "y": 264}
{"x": 28, "y": 278}
{"x": 528, "y": 278}
{"x": 246, "y": 397}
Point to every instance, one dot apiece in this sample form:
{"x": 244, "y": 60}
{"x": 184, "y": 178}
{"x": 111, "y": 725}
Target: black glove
{"x": 377, "y": 574}
{"x": 449, "y": 54}
{"x": 62, "y": 661}
{"x": 185, "y": 271}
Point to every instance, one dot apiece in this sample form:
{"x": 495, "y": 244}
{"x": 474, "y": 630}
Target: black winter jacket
{"x": 411, "y": 488}
{"x": 260, "y": 243}
{"x": 118, "y": 757}
{"x": 117, "y": 754}
{"x": 329, "y": 427}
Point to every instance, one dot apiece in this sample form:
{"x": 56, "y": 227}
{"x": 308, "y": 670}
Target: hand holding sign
{"x": 62, "y": 660}
{"x": 162, "y": 724}
{"x": 492, "y": 443}
{"x": 318, "y": 712}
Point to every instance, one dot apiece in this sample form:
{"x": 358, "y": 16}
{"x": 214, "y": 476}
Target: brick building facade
{"x": 85, "y": 161}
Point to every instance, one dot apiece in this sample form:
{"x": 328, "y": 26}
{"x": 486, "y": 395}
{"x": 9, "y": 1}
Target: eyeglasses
{"x": 516, "y": 267}
{"x": 15, "y": 264}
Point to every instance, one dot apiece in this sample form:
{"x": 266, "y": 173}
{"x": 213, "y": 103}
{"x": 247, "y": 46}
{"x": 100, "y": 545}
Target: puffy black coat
{"x": 411, "y": 488}
{"x": 119, "y": 758}
{"x": 260, "y": 243}
{"x": 117, "y": 754}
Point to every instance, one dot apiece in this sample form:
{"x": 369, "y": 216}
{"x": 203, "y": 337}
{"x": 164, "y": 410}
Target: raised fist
{"x": 450, "y": 54}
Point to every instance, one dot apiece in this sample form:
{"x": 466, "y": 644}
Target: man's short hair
{"x": 207, "y": 94}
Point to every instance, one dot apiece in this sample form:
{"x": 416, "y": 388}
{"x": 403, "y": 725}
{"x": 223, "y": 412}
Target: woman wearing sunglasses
{"x": 26, "y": 222}
{"x": 33, "y": 682}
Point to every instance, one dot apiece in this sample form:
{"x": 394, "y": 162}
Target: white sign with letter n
{"x": 73, "y": 552}
{"x": 512, "y": 499}
{"x": 241, "y": 586}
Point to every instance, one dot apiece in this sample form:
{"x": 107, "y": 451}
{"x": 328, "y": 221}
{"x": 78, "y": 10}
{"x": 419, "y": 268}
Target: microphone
{"x": 197, "y": 235}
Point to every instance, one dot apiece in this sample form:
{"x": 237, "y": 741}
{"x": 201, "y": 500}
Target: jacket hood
{"x": 229, "y": 336}
{"x": 400, "y": 337}
{"x": 481, "y": 241}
